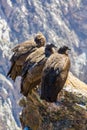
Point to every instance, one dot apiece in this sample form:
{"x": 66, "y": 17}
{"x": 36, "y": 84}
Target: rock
{"x": 7, "y": 120}
{"x": 70, "y": 113}
{"x": 30, "y": 116}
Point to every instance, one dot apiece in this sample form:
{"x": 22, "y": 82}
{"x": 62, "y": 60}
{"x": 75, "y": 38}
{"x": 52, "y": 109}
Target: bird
{"x": 32, "y": 68}
{"x": 21, "y": 51}
{"x": 54, "y": 74}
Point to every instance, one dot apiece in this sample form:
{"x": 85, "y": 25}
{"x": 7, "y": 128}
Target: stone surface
{"x": 69, "y": 113}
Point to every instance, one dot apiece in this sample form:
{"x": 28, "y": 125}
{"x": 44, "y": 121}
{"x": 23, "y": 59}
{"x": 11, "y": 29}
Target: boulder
{"x": 68, "y": 113}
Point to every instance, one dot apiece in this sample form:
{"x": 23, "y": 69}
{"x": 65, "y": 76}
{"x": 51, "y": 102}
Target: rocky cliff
{"x": 62, "y": 22}
{"x": 69, "y": 113}
{"x": 9, "y": 95}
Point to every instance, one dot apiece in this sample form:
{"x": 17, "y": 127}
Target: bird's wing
{"x": 22, "y": 45}
{"x": 35, "y": 59}
{"x": 22, "y": 49}
{"x": 15, "y": 48}
{"x": 62, "y": 63}
{"x": 54, "y": 66}
{"x": 9, "y": 72}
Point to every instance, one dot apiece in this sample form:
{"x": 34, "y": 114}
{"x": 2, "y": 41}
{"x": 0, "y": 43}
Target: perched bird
{"x": 54, "y": 74}
{"x": 21, "y": 51}
{"x": 32, "y": 68}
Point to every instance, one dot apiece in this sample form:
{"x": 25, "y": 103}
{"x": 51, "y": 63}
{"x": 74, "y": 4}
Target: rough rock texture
{"x": 9, "y": 94}
{"x": 70, "y": 113}
{"x": 7, "y": 107}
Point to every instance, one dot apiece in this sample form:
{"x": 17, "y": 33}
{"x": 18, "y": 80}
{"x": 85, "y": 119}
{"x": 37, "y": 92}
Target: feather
{"x": 54, "y": 75}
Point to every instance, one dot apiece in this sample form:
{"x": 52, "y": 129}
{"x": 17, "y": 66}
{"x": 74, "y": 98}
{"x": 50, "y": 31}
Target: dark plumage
{"x": 55, "y": 74}
{"x": 21, "y": 51}
{"x": 32, "y": 68}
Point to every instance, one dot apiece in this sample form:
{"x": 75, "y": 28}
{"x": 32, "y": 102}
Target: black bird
{"x": 32, "y": 68}
{"x": 21, "y": 51}
{"x": 55, "y": 74}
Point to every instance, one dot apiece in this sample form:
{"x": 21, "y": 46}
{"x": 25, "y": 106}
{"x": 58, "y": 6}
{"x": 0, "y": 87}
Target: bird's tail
{"x": 9, "y": 72}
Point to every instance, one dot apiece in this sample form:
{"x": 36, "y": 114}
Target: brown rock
{"x": 68, "y": 115}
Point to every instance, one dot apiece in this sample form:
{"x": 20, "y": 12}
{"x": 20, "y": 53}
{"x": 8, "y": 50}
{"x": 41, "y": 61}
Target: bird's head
{"x": 51, "y": 47}
{"x": 40, "y": 39}
{"x": 63, "y": 50}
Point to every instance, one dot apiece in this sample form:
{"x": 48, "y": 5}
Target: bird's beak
{"x": 69, "y": 49}
{"x": 55, "y": 46}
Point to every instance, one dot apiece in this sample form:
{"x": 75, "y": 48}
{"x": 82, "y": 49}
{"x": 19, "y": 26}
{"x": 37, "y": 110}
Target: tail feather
{"x": 10, "y": 70}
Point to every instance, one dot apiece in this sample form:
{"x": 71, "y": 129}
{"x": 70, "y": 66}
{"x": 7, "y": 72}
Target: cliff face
{"x": 9, "y": 94}
{"x": 62, "y": 22}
